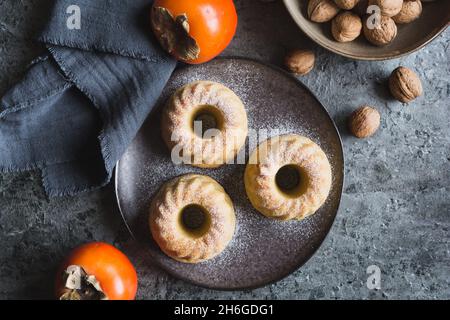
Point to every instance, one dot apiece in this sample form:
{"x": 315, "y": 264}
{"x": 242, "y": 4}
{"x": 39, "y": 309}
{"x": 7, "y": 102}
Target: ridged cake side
{"x": 260, "y": 177}
{"x": 165, "y": 214}
{"x": 178, "y": 117}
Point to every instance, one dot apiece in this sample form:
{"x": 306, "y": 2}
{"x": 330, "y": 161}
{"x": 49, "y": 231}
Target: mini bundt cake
{"x": 205, "y": 124}
{"x": 288, "y": 177}
{"x": 192, "y": 218}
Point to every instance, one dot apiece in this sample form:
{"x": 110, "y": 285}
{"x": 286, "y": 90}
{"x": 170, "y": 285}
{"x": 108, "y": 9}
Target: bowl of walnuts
{"x": 371, "y": 29}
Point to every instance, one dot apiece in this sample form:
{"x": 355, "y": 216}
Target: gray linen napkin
{"x": 77, "y": 109}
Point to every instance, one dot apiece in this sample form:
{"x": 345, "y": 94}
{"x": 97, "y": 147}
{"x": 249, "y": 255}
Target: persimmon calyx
{"x": 78, "y": 285}
{"x": 173, "y": 34}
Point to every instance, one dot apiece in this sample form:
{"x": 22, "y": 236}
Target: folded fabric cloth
{"x": 77, "y": 109}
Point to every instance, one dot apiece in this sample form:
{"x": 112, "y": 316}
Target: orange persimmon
{"x": 96, "y": 271}
{"x": 194, "y": 31}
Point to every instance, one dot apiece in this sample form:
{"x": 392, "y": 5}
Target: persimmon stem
{"x": 78, "y": 285}
{"x": 173, "y": 34}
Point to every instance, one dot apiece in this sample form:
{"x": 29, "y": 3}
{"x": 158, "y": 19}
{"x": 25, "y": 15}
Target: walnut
{"x": 300, "y": 62}
{"x": 364, "y": 122}
{"x": 411, "y": 10}
{"x": 346, "y": 4}
{"x": 322, "y": 10}
{"x": 346, "y": 27}
{"x": 405, "y": 85}
{"x": 389, "y": 8}
{"x": 381, "y": 33}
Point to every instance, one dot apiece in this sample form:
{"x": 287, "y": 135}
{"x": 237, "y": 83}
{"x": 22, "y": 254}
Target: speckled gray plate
{"x": 263, "y": 250}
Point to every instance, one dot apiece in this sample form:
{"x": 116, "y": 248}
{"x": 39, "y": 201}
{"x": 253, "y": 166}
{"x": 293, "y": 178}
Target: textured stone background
{"x": 396, "y": 205}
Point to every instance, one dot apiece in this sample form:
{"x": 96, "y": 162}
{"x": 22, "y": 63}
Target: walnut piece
{"x": 346, "y": 27}
{"x": 389, "y": 8}
{"x": 364, "y": 122}
{"x": 381, "y": 33}
{"x": 405, "y": 85}
{"x": 322, "y": 10}
{"x": 346, "y": 4}
{"x": 300, "y": 62}
{"x": 411, "y": 10}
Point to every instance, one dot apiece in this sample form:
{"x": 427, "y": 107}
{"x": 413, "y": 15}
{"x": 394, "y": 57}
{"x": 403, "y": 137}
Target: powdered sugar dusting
{"x": 263, "y": 250}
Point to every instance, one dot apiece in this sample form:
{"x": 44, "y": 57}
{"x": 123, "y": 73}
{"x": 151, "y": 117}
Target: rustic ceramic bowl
{"x": 411, "y": 37}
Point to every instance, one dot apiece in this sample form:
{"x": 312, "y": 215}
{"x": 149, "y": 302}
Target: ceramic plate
{"x": 263, "y": 250}
{"x": 411, "y": 36}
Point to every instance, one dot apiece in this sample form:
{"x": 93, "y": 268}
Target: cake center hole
{"x": 206, "y": 118}
{"x": 194, "y": 218}
{"x": 288, "y": 179}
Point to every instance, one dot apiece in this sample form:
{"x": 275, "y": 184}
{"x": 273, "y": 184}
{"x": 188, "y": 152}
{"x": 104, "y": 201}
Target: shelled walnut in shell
{"x": 388, "y": 8}
{"x": 411, "y": 10}
{"x": 346, "y": 27}
{"x": 322, "y": 10}
{"x": 377, "y": 18}
{"x": 380, "y": 33}
{"x": 364, "y": 122}
{"x": 405, "y": 85}
{"x": 300, "y": 62}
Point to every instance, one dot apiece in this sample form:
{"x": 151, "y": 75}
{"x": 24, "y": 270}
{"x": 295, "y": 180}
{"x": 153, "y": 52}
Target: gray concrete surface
{"x": 396, "y": 206}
